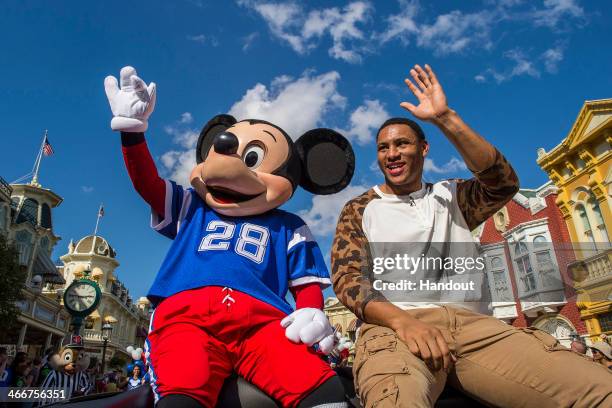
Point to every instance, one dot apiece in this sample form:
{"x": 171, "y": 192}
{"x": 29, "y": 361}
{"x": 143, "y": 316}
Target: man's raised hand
{"x": 132, "y": 104}
{"x": 432, "y": 101}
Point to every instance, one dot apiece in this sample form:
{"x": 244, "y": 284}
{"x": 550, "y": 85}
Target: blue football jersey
{"x": 261, "y": 255}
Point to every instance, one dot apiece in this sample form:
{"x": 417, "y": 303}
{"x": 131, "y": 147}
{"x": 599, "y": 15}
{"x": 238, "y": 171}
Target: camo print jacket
{"x": 478, "y": 198}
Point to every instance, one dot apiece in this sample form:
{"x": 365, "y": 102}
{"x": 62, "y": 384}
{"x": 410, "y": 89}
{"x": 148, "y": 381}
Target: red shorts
{"x": 198, "y": 337}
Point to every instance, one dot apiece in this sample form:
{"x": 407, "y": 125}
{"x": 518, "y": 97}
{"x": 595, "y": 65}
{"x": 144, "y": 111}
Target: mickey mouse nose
{"x": 226, "y": 143}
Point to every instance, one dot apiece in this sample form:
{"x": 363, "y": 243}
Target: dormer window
{"x": 28, "y": 212}
{"x": 45, "y": 216}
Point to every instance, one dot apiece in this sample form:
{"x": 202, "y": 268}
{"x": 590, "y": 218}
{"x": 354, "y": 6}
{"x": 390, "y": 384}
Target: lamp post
{"x": 107, "y": 330}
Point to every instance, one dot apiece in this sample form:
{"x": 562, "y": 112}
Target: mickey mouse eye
{"x": 253, "y": 155}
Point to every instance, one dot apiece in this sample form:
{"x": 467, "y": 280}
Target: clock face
{"x": 80, "y": 297}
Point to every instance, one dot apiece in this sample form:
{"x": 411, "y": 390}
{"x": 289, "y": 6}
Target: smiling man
{"x": 410, "y": 344}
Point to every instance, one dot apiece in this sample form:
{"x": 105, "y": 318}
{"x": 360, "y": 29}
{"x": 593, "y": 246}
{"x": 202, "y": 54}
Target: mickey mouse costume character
{"x": 220, "y": 292}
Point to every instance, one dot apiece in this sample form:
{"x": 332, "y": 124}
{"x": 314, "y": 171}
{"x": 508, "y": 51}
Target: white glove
{"x": 132, "y": 104}
{"x": 310, "y": 326}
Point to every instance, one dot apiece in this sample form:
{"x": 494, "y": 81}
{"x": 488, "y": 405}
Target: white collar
{"x": 406, "y": 197}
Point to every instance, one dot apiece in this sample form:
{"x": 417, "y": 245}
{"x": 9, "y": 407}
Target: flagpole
{"x": 38, "y": 160}
{"x": 98, "y": 220}
{"x": 93, "y": 241}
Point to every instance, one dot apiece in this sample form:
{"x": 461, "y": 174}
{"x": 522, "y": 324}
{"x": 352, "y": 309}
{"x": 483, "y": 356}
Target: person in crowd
{"x": 20, "y": 370}
{"x": 412, "y": 344}
{"x": 578, "y": 346}
{"x": 602, "y": 354}
{"x": 4, "y": 363}
{"x": 136, "y": 379}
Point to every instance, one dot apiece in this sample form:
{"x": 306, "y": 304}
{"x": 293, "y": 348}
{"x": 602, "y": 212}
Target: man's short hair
{"x": 403, "y": 121}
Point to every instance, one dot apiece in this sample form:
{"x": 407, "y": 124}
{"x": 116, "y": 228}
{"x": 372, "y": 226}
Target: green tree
{"x": 12, "y": 281}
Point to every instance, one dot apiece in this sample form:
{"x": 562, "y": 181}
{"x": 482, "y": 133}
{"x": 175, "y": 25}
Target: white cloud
{"x": 454, "y": 165}
{"x": 302, "y": 30}
{"x": 204, "y": 39}
{"x": 480, "y": 78}
{"x": 454, "y": 32}
{"x": 522, "y": 66}
{"x": 186, "y": 118}
{"x": 322, "y": 216}
{"x": 295, "y": 105}
{"x": 556, "y": 11}
{"x": 402, "y": 25}
{"x": 249, "y": 40}
{"x": 365, "y": 120}
{"x": 552, "y": 57}
{"x": 87, "y": 189}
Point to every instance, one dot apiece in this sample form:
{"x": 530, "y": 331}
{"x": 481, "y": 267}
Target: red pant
{"x": 198, "y": 337}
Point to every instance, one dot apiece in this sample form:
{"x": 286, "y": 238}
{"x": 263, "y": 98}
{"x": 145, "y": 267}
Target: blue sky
{"x": 517, "y": 71}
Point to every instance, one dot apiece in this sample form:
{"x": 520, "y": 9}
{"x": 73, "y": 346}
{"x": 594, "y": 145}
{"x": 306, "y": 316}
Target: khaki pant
{"x": 498, "y": 364}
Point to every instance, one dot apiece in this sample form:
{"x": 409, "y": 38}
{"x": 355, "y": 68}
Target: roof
{"x": 100, "y": 246}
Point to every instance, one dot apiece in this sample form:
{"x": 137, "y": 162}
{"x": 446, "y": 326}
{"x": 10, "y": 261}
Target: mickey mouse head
{"x": 251, "y": 166}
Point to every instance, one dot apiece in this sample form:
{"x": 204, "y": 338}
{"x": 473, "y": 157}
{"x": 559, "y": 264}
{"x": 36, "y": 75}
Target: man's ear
{"x": 425, "y": 148}
{"x": 216, "y": 125}
{"x": 327, "y": 159}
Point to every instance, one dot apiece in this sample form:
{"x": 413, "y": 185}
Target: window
{"x": 3, "y": 217}
{"x": 605, "y": 321}
{"x": 44, "y": 245}
{"x": 599, "y": 224}
{"x": 584, "y": 225}
{"x": 24, "y": 245}
{"x": 500, "y": 289}
{"x": 28, "y": 212}
{"x": 521, "y": 257}
{"x": 45, "y": 216}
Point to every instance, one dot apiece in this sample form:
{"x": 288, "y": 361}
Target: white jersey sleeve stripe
{"x": 155, "y": 222}
{"x": 302, "y": 234}
{"x": 309, "y": 279}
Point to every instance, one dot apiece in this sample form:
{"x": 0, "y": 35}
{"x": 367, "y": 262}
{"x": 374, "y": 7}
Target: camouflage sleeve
{"x": 481, "y": 196}
{"x": 350, "y": 263}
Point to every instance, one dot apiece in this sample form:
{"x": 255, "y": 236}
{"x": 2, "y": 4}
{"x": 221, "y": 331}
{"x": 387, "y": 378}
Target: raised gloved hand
{"x": 132, "y": 104}
{"x": 309, "y": 326}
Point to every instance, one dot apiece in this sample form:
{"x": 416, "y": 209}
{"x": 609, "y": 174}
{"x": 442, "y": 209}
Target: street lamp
{"x": 107, "y": 330}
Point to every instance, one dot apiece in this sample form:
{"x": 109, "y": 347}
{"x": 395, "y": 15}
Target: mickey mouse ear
{"x": 328, "y": 161}
{"x": 216, "y": 125}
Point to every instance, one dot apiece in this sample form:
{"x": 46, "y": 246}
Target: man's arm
{"x": 495, "y": 181}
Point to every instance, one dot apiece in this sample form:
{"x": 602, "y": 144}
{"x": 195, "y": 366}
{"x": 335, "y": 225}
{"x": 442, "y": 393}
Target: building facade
{"x": 527, "y": 252}
{"x": 581, "y": 168}
{"x": 92, "y": 256}
{"x": 27, "y": 222}
{"x": 342, "y": 319}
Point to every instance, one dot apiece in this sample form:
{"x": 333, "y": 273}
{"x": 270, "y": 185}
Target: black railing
{"x": 5, "y": 189}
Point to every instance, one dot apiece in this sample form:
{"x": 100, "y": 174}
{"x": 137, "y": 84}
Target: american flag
{"x": 101, "y": 211}
{"x": 47, "y": 149}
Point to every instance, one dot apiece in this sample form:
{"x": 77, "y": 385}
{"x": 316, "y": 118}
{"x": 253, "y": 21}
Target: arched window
{"x": 23, "y": 241}
{"x": 521, "y": 257}
{"x": 45, "y": 216}
{"x": 584, "y": 225}
{"x": 540, "y": 240}
{"x": 28, "y": 212}
{"x": 597, "y": 220}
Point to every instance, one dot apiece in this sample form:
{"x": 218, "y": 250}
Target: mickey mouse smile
{"x": 227, "y": 196}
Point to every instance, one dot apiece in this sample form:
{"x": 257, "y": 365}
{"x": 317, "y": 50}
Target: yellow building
{"x": 343, "y": 320}
{"x": 581, "y": 167}
{"x": 26, "y": 221}
{"x": 94, "y": 256}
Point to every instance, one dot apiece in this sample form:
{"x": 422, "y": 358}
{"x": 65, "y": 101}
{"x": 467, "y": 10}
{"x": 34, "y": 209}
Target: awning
{"x": 338, "y": 327}
{"x": 44, "y": 266}
{"x": 353, "y": 326}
